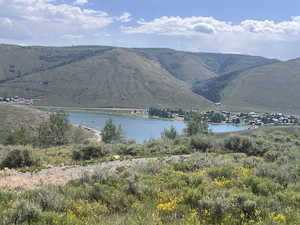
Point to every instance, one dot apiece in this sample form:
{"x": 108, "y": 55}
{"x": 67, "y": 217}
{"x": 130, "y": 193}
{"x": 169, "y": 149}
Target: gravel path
{"x": 61, "y": 175}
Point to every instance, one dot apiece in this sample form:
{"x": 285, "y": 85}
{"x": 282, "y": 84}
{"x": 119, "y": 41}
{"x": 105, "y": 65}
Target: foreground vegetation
{"x": 245, "y": 178}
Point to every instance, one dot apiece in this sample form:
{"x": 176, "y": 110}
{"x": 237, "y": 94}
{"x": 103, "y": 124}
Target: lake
{"x": 139, "y": 128}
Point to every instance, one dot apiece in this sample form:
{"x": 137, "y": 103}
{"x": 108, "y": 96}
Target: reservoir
{"x": 139, "y": 128}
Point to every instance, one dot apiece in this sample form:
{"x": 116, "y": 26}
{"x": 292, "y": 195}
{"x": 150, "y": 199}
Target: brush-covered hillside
{"x": 115, "y": 78}
{"x": 273, "y": 87}
{"x": 99, "y": 76}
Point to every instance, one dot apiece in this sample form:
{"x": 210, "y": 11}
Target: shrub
{"x": 200, "y": 144}
{"x": 217, "y": 207}
{"x": 262, "y": 186}
{"x": 90, "y": 152}
{"x": 246, "y": 205}
{"x": 241, "y": 144}
{"x": 77, "y": 136}
{"x": 19, "y": 158}
{"x": 23, "y": 212}
{"x": 218, "y": 173}
{"x": 19, "y": 137}
{"x": 132, "y": 149}
{"x": 169, "y": 133}
{"x": 49, "y": 199}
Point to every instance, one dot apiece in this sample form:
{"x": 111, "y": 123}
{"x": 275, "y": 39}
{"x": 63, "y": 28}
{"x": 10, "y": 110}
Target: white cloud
{"x": 179, "y": 26}
{"x": 81, "y": 2}
{"x": 72, "y": 36}
{"x": 125, "y": 17}
{"x": 39, "y": 19}
{"x": 198, "y": 26}
{"x": 266, "y": 38}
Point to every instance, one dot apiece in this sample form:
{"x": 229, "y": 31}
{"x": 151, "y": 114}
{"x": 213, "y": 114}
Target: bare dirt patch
{"x": 61, "y": 175}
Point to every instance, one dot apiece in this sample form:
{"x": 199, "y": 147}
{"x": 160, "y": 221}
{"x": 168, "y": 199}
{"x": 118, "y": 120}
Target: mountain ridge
{"x": 107, "y": 76}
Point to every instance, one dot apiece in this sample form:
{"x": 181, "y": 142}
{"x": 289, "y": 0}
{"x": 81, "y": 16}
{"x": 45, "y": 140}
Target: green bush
{"x": 241, "y": 144}
{"x": 169, "y": 133}
{"x": 132, "y": 149}
{"x": 90, "y": 152}
{"x": 262, "y": 186}
{"x": 19, "y": 136}
{"x": 23, "y": 212}
{"x": 200, "y": 143}
{"x": 19, "y": 158}
{"x": 51, "y": 200}
{"x": 219, "y": 172}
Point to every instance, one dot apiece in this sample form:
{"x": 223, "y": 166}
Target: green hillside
{"x": 184, "y": 66}
{"x": 194, "y": 67}
{"x": 272, "y": 87}
{"x": 18, "y": 61}
{"x": 228, "y": 63}
{"x": 99, "y": 76}
{"x": 116, "y": 78}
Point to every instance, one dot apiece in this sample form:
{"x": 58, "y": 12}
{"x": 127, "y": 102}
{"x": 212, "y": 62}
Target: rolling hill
{"x": 273, "y": 87}
{"x": 116, "y": 78}
{"x": 194, "y": 67}
{"x": 104, "y": 76}
{"x": 17, "y": 61}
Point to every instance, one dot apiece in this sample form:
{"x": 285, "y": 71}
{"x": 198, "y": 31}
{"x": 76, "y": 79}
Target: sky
{"x": 269, "y": 28}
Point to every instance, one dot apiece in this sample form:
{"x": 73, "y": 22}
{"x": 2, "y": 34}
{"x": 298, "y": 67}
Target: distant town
{"x": 253, "y": 119}
{"x": 16, "y": 100}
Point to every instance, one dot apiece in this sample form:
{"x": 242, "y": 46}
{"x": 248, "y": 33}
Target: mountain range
{"x": 104, "y": 76}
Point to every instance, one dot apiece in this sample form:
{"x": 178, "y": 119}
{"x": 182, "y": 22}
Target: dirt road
{"x": 61, "y": 175}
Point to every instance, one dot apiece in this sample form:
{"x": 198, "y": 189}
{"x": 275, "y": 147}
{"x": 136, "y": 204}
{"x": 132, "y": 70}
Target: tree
{"x": 217, "y": 118}
{"x": 54, "y": 131}
{"x": 169, "y": 133}
{"x": 196, "y": 125}
{"x": 111, "y": 133}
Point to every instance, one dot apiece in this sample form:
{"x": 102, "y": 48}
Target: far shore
{"x": 136, "y": 112}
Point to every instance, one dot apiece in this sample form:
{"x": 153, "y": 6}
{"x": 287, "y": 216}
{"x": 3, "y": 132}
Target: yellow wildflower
{"x": 221, "y": 182}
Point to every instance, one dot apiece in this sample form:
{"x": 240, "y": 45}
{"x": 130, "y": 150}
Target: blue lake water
{"x": 139, "y": 128}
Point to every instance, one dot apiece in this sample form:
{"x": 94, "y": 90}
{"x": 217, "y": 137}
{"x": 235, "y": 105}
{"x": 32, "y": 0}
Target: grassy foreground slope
{"x": 116, "y": 78}
{"x": 248, "y": 178}
{"x": 272, "y": 87}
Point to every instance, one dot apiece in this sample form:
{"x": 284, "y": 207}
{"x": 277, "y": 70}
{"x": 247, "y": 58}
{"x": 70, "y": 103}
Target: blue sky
{"x": 230, "y": 10}
{"x": 257, "y": 27}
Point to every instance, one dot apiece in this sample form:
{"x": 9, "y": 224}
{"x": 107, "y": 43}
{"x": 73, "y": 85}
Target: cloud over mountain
{"x": 208, "y": 25}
